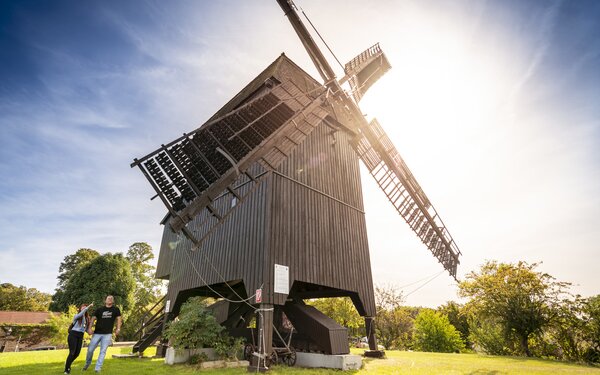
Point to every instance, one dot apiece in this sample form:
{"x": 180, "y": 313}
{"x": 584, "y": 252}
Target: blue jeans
{"x": 104, "y": 340}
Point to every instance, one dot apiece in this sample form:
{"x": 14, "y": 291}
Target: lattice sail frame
{"x": 191, "y": 172}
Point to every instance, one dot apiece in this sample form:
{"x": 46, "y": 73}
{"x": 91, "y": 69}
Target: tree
{"x": 567, "y": 330}
{"x": 340, "y": 309}
{"x": 520, "y": 299}
{"x": 458, "y": 318}
{"x": 20, "y": 298}
{"x": 592, "y": 329}
{"x": 487, "y": 335}
{"x": 73, "y": 262}
{"x": 394, "y": 323}
{"x": 434, "y": 333}
{"x": 395, "y": 328}
{"x": 68, "y": 267}
{"x": 139, "y": 255}
{"x": 107, "y": 274}
{"x": 146, "y": 292}
{"x": 388, "y": 297}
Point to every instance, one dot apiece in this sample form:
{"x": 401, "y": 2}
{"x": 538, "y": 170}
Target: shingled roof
{"x": 24, "y": 317}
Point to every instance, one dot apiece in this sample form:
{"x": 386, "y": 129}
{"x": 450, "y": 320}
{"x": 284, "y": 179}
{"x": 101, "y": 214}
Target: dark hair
{"x": 86, "y": 316}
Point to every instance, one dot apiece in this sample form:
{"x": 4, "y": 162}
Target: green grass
{"x": 52, "y": 362}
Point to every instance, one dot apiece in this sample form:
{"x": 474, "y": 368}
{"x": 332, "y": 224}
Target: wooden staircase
{"x": 151, "y": 327}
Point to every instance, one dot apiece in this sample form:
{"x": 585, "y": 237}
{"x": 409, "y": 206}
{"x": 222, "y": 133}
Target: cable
{"x": 418, "y": 281}
{"x": 428, "y": 281}
{"x": 319, "y": 34}
{"x": 214, "y": 291}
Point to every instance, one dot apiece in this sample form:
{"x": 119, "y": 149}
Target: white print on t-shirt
{"x": 106, "y": 314}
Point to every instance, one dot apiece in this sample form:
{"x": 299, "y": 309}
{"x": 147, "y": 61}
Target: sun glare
{"x": 443, "y": 87}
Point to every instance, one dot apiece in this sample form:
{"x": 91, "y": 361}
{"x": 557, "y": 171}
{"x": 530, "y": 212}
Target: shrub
{"x": 195, "y": 327}
{"x": 434, "y": 333}
{"x": 59, "y": 326}
{"x": 227, "y": 347}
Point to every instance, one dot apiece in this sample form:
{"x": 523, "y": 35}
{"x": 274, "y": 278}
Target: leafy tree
{"x": 195, "y": 328}
{"x": 592, "y": 329}
{"x": 434, "y": 333}
{"x": 104, "y": 275}
{"x": 20, "y": 298}
{"x": 73, "y": 262}
{"x": 517, "y": 297}
{"x": 68, "y": 267}
{"x": 487, "y": 336}
{"x": 340, "y": 309}
{"x": 388, "y": 297}
{"x": 395, "y": 328}
{"x": 146, "y": 292}
{"x": 458, "y": 318}
{"x": 567, "y": 330}
{"x": 394, "y": 323}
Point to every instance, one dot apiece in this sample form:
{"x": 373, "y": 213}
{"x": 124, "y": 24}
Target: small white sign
{"x": 167, "y": 305}
{"x": 282, "y": 279}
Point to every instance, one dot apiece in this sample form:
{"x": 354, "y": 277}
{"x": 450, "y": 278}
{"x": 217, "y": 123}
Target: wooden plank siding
{"x": 318, "y": 226}
{"x": 307, "y": 214}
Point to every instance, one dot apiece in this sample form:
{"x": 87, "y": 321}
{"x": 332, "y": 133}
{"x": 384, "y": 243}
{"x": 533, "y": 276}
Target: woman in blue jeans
{"x": 81, "y": 322}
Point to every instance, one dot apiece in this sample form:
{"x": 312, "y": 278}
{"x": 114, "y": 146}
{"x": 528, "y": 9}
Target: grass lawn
{"x": 52, "y": 362}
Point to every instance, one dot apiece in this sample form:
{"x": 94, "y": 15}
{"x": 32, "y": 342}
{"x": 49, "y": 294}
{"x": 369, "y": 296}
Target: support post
{"x": 264, "y": 325}
{"x": 372, "y": 339}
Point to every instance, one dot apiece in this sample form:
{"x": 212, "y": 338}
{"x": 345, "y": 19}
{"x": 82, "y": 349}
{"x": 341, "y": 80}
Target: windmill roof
{"x": 276, "y": 69}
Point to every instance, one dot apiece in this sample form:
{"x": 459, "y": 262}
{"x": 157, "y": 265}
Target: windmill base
{"x": 375, "y": 353}
{"x": 340, "y": 361}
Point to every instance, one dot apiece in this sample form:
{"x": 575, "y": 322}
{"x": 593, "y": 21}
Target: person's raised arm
{"x": 80, "y": 314}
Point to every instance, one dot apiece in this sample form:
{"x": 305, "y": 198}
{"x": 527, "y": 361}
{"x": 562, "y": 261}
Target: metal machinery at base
{"x": 266, "y": 209}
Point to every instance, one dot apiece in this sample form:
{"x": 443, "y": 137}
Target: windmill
{"x": 265, "y": 206}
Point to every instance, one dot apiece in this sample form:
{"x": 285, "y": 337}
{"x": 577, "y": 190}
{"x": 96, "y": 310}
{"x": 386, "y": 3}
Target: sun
{"x": 443, "y": 88}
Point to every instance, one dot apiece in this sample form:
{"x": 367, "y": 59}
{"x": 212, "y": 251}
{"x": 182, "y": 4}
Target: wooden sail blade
{"x": 190, "y": 172}
{"x": 402, "y": 190}
{"x": 365, "y": 69}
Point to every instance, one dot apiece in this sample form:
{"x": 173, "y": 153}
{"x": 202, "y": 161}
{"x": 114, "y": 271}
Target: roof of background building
{"x": 24, "y": 317}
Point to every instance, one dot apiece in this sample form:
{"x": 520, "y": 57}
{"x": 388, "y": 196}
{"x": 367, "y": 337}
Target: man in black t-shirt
{"x": 104, "y": 317}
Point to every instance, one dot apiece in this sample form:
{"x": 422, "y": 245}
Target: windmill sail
{"x": 191, "y": 172}
{"x": 396, "y": 181}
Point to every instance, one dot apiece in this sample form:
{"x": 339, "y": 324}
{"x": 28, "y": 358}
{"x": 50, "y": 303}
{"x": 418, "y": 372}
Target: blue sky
{"x": 495, "y": 106}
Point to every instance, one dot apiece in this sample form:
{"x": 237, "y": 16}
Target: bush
{"x": 434, "y": 333}
{"x": 227, "y": 347}
{"x": 488, "y": 337}
{"x": 196, "y": 327}
{"x": 198, "y": 358}
{"x": 58, "y": 326}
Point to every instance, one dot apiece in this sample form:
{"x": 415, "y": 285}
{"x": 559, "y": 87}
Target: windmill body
{"x": 305, "y": 212}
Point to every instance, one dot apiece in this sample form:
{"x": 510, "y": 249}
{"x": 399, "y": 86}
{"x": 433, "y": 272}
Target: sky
{"x": 494, "y": 105}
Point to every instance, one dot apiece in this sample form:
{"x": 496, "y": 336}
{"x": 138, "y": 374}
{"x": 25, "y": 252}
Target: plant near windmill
{"x": 434, "y": 333}
{"x": 519, "y": 299}
{"x": 342, "y": 310}
{"x": 197, "y": 328}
